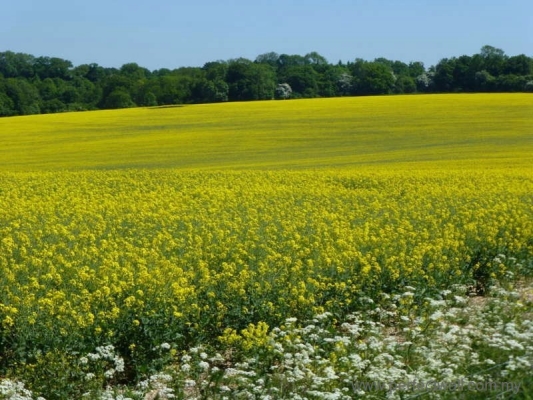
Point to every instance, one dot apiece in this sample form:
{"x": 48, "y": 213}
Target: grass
{"x": 461, "y": 130}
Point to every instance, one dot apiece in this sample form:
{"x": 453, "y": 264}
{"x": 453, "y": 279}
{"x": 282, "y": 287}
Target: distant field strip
{"x": 461, "y": 130}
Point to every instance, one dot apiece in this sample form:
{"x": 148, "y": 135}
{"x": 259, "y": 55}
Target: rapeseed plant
{"x": 266, "y": 282}
{"x": 137, "y": 259}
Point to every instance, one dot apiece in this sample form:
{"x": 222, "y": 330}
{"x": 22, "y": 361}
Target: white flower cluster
{"x": 391, "y": 344}
{"x": 449, "y": 340}
{"x": 13, "y": 390}
{"x": 156, "y": 387}
{"x": 111, "y": 394}
{"x": 107, "y": 355}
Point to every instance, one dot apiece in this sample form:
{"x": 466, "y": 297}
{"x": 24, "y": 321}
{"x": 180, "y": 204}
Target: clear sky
{"x": 170, "y": 34}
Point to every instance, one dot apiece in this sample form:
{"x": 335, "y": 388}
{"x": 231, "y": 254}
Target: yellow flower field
{"x": 147, "y": 226}
{"x": 466, "y": 129}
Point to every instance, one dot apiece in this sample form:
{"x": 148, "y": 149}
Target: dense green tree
{"x": 133, "y": 79}
{"x": 30, "y": 85}
{"x": 302, "y": 79}
{"x": 53, "y": 106}
{"x": 270, "y": 58}
{"x": 7, "y": 106}
{"x": 250, "y": 81}
{"x": 17, "y": 65}
{"x": 213, "y": 88}
{"x": 484, "y": 81}
{"x": 404, "y": 84}
{"x": 52, "y": 67}
{"x": 148, "y": 100}
{"x": 208, "y": 91}
{"x": 171, "y": 89}
{"x": 118, "y": 98}
{"x": 164, "y": 88}
{"x": 314, "y": 58}
{"x": 89, "y": 94}
{"x": 92, "y": 72}
{"x": 463, "y": 74}
{"x": 397, "y": 67}
{"x": 318, "y": 62}
{"x": 24, "y": 95}
{"x": 161, "y": 72}
{"x": 70, "y": 94}
{"x": 510, "y": 83}
{"x": 518, "y": 65}
{"x": 116, "y": 83}
{"x": 134, "y": 71}
{"x": 48, "y": 89}
{"x": 335, "y": 80}
{"x": 262, "y": 82}
{"x": 443, "y": 79}
{"x": 374, "y": 78}
{"x": 416, "y": 69}
{"x": 216, "y": 70}
{"x": 493, "y": 60}
{"x": 356, "y": 67}
{"x": 286, "y": 60}
{"x": 185, "y": 83}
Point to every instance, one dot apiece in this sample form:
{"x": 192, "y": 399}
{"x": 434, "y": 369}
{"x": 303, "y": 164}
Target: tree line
{"x": 33, "y": 85}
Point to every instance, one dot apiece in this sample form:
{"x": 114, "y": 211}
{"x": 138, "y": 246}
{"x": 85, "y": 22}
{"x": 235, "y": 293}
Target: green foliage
{"x": 404, "y": 84}
{"x": 7, "y": 106}
{"x": 52, "y": 67}
{"x": 302, "y": 79}
{"x": 250, "y": 81}
{"x": 24, "y": 95}
{"x": 208, "y": 91}
{"x": 51, "y": 84}
{"x": 374, "y": 78}
{"x": 119, "y": 98}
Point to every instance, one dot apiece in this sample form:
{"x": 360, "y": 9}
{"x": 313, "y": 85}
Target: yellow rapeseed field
{"x": 145, "y": 226}
{"x": 492, "y": 129}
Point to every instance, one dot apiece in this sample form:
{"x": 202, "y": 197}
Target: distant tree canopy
{"x": 33, "y": 85}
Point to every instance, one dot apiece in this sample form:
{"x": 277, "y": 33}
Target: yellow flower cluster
{"x": 92, "y": 256}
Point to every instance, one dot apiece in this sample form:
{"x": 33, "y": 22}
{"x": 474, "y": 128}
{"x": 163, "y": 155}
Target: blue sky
{"x": 171, "y": 34}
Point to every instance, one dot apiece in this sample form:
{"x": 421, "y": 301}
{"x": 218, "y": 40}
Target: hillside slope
{"x": 491, "y": 129}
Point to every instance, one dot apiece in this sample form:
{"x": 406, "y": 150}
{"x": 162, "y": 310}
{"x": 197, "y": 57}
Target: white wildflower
{"x": 109, "y": 373}
{"x": 190, "y": 383}
{"x": 436, "y": 316}
{"x": 119, "y": 364}
{"x": 324, "y": 315}
{"x": 204, "y": 365}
